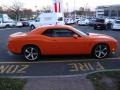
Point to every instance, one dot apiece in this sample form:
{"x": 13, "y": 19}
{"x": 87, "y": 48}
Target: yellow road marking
{"x": 74, "y": 67}
{"x": 83, "y": 66}
{"x": 11, "y": 69}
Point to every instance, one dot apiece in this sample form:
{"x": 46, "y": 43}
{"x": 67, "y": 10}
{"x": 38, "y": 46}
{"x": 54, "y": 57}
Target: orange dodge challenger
{"x": 60, "y": 40}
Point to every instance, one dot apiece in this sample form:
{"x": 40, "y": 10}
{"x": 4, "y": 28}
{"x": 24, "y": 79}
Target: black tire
{"x": 7, "y": 26}
{"x": 95, "y": 27}
{"x": 100, "y": 51}
{"x": 31, "y": 53}
{"x": 32, "y": 27}
{"x": 104, "y": 28}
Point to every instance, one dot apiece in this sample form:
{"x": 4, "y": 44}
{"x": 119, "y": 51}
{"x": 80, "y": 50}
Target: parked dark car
{"x": 99, "y": 24}
{"x": 24, "y": 22}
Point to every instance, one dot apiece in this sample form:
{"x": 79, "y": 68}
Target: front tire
{"x": 31, "y": 53}
{"x": 32, "y": 27}
{"x": 100, "y": 51}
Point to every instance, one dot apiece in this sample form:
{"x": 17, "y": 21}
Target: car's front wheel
{"x": 100, "y": 51}
{"x": 31, "y": 53}
{"x": 32, "y": 27}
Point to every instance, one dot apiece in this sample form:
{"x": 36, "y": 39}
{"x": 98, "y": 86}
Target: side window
{"x": 63, "y": 33}
{"x": 60, "y": 19}
{"x": 37, "y": 20}
{"x": 48, "y": 33}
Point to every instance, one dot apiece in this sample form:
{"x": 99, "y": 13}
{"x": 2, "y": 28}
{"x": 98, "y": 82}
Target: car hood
{"x": 96, "y": 35}
{"x": 18, "y": 34}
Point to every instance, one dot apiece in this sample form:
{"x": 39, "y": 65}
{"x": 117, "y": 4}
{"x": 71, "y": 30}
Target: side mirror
{"x": 75, "y": 36}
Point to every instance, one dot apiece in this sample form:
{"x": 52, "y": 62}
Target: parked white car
{"x": 107, "y": 20}
{"x": 69, "y": 21}
{"x": 116, "y": 25}
{"x": 77, "y": 19}
{"x": 18, "y": 24}
{"x": 83, "y": 22}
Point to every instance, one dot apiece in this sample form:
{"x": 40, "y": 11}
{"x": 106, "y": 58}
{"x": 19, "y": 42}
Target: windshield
{"x": 100, "y": 20}
{"x": 118, "y": 22}
{"x": 80, "y": 32}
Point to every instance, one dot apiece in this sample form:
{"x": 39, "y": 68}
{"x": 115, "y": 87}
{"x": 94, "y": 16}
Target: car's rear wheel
{"x": 100, "y": 51}
{"x": 31, "y": 53}
{"x": 95, "y": 27}
{"x": 7, "y": 26}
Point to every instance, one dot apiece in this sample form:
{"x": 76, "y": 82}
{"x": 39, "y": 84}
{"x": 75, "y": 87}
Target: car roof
{"x": 42, "y": 28}
{"x": 55, "y": 26}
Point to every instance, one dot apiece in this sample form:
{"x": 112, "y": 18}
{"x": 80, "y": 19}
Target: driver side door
{"x": 61, "y": 42}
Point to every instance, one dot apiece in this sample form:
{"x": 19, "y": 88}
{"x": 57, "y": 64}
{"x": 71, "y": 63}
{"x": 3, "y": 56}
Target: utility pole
{"x": 74, "y": 10}
{"x": 36, "y": 10}
{"x": 86, "y": 7}
{"x": 67, "y": 7}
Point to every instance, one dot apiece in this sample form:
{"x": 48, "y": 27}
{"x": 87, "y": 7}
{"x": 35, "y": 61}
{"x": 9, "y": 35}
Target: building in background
{"x": 108, "y": 11}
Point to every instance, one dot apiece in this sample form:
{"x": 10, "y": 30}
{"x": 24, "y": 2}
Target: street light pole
{"x": 74, "y": 10}
{"x": 36, "y": 10}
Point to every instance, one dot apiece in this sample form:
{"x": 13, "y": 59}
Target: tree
{"x": 27, "y": 13}
{"x": 1, "y": 9}
{"x": 46, "y": 9}
{"x": 16, "y": 7}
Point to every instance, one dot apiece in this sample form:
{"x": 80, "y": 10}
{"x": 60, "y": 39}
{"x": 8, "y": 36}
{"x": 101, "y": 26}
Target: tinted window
{"x": 58, "y": 33}
{"x": 48, "y": 33}
{"x": 60, "y": 19}
{"x": 100, "y": 20}
{"x": 63, "y": 33}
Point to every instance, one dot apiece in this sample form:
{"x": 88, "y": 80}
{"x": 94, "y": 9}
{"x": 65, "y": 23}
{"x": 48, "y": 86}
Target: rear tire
{"x": 31, "y": 53}
{"x": 7, "y": 26}
{"x": 95, "y": 28}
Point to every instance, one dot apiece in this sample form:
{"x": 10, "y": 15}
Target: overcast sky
{"x": 78, "y": 3}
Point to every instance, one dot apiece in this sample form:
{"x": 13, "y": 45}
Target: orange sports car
{"x": 60, "y": 40}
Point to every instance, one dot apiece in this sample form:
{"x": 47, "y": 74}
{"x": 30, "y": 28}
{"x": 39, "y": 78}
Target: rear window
{"x": 100, "y": 20}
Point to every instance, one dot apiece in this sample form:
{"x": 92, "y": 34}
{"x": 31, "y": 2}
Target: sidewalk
{"x": 59, "y": 83}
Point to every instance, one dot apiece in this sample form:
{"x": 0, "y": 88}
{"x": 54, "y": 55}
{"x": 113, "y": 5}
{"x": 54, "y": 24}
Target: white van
{"x": 6, "y": 21}
{"x": 47, "y": 19}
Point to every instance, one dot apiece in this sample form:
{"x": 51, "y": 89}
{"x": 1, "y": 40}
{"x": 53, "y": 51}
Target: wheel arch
{"x": 100, "y": 44}
{"x": 7, "y": 25}
{"x": 30, "y": 45}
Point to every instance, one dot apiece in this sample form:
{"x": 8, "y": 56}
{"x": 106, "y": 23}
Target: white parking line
{"x": 62, "y": 61}
{"x": 10, "y": 53}
{"x": 7, "y": 29}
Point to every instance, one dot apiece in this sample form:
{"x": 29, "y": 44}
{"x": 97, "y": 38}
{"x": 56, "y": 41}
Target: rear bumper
{"x": 13, "y": 48}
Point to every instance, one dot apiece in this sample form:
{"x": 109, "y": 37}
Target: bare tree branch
{"x": 17, "y": 6}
